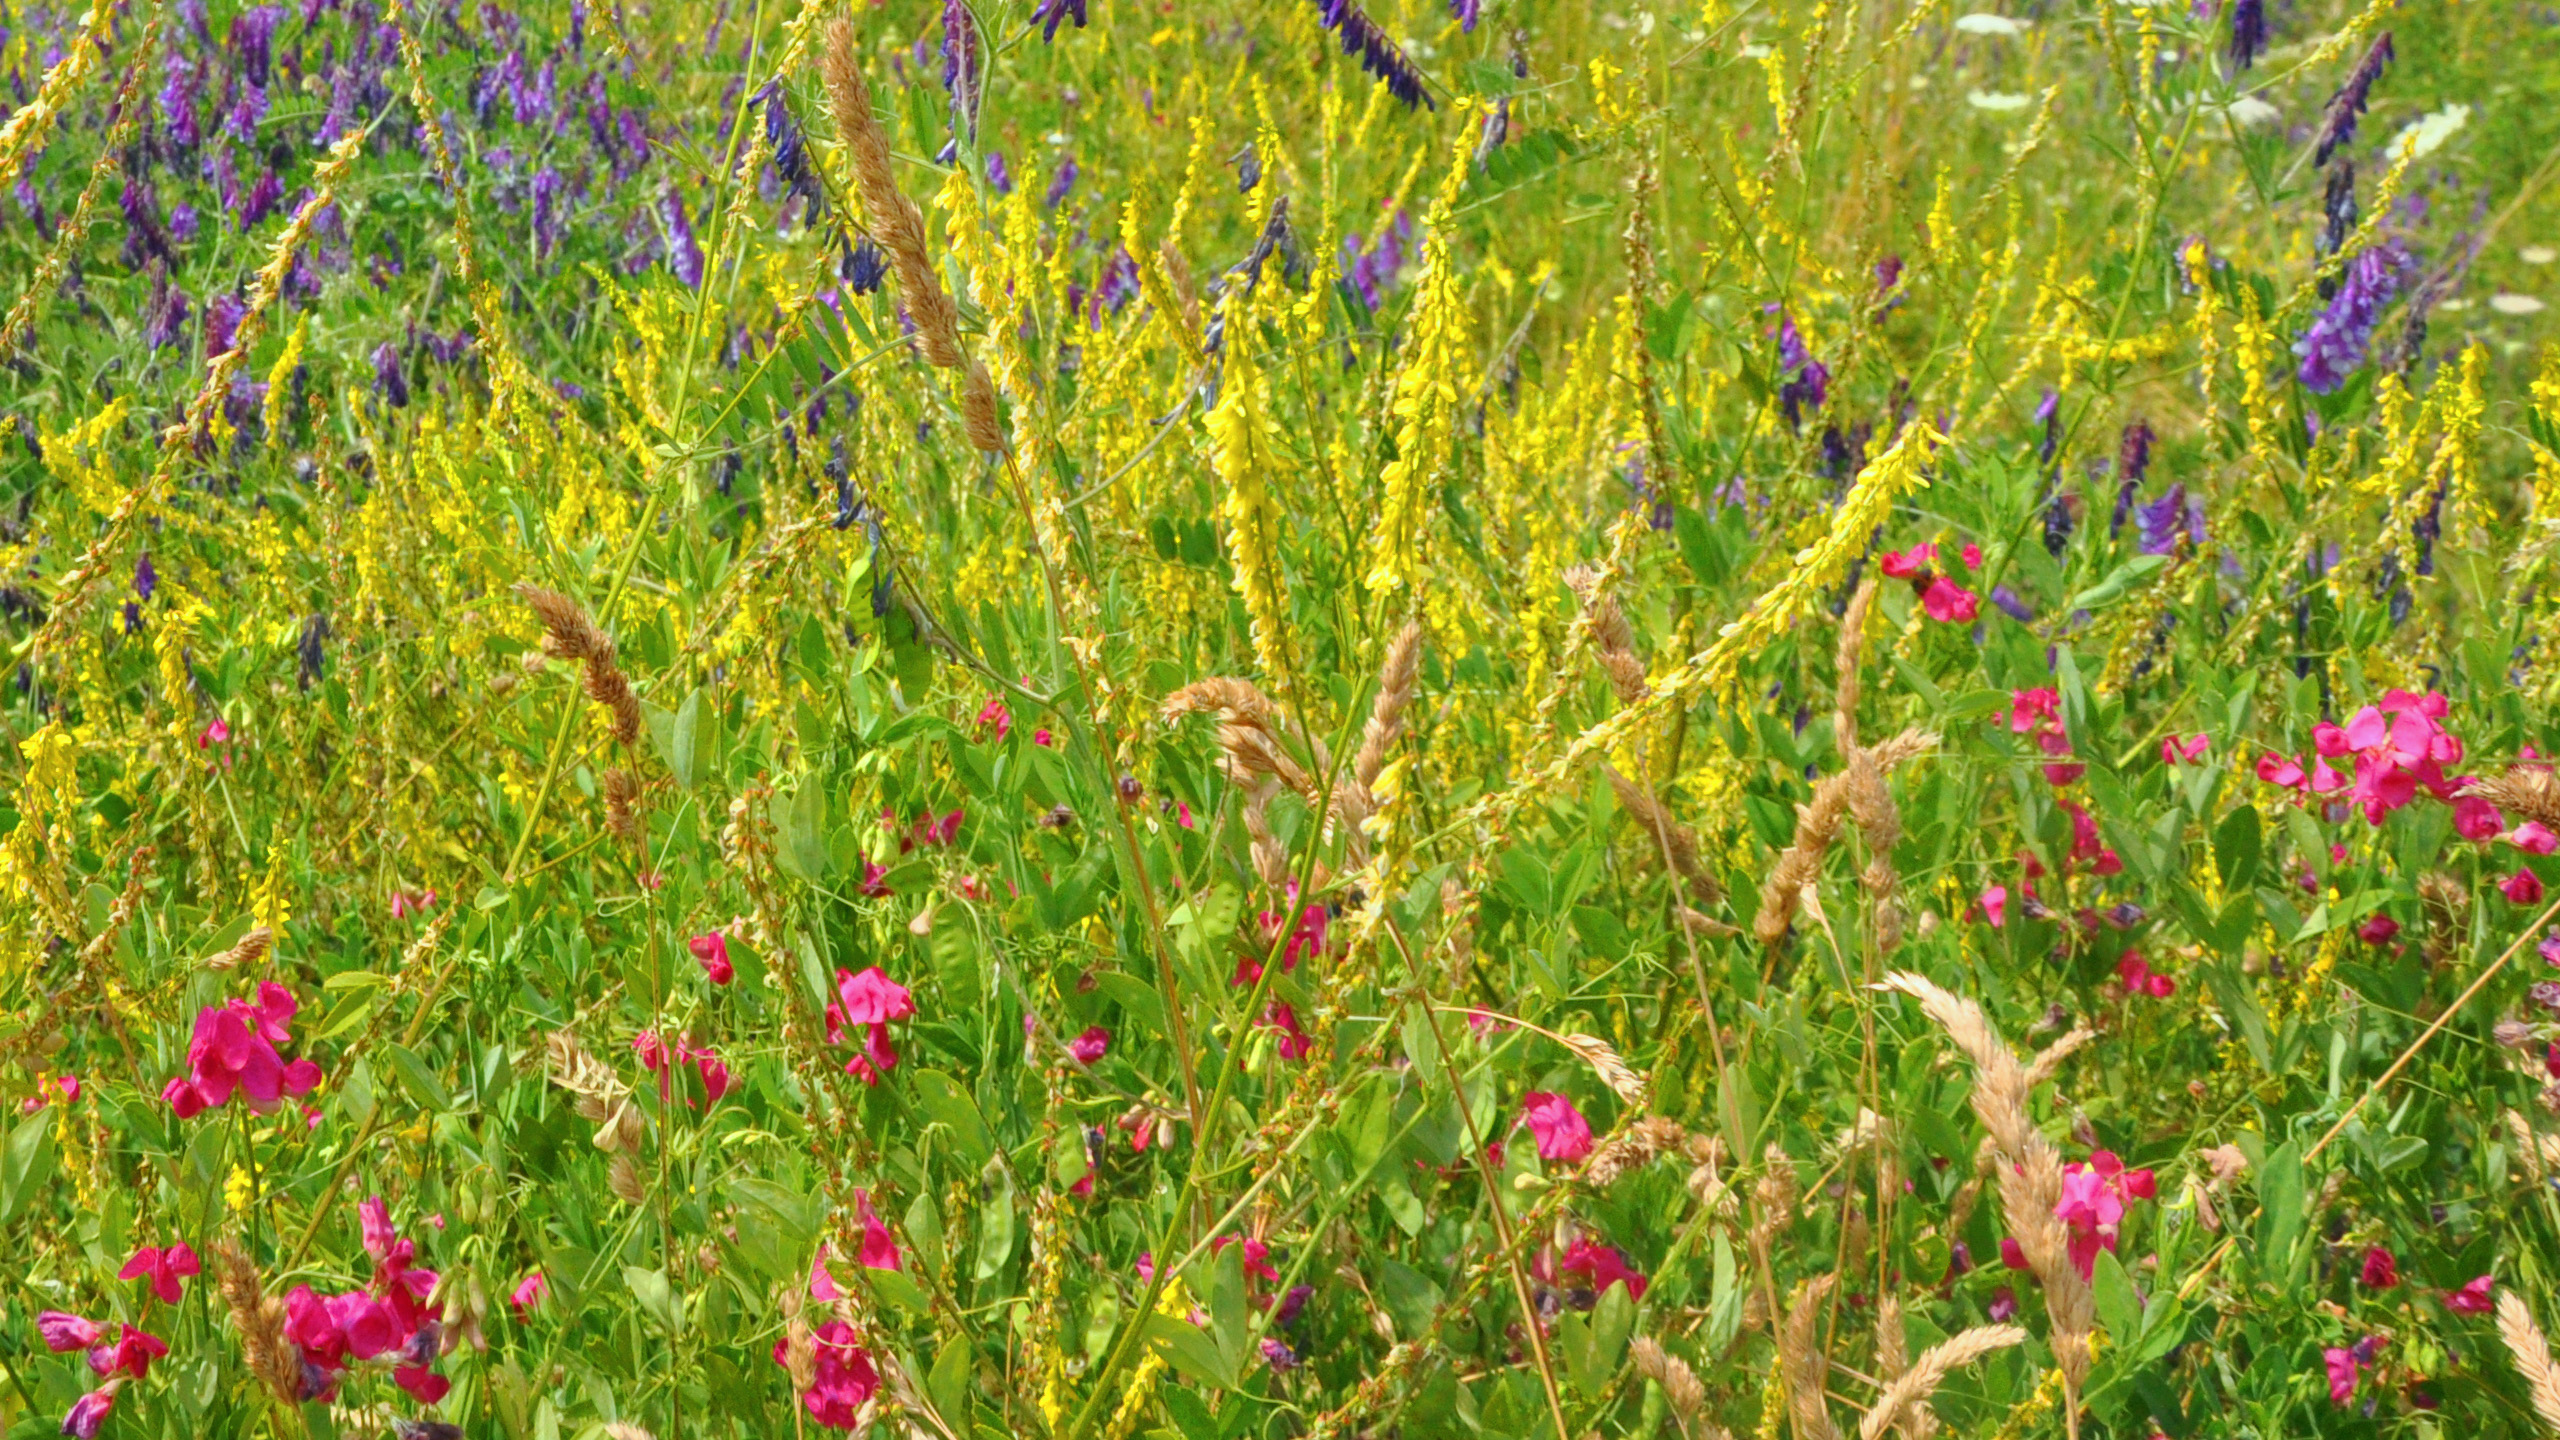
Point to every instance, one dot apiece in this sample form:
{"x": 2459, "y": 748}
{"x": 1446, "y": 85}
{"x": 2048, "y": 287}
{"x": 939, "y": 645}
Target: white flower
{"x": 2506, "y": 304}
{"x": 2249, "y": 110}
{"x": 2538, "y": 254}
{"x": 1986, "y": 23}
{"x": 1985, "y": 100}
{"x": 2424, "y": 136}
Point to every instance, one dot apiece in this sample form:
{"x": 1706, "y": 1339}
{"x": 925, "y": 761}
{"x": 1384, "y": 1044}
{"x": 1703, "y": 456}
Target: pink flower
{"x": 1972, "y": 556}
{"x": 424, "y": 1385}
{"x": 715, "y": 1076}
{"x": 235, "y": 1049}
{"x": 404, "y": 905}
{"x": 2534, "y": 838}
{"x": 2093, "y": 1205}
{"x": 1995, "y": 905}
{"x": 845, "y": 1378}
{"x": 2471, "y": 1299}
{"x": 65, "y": 1332}
{"x": 1563, "y": 1135}
{"x": 2378, "y": 930}
{"x": 2342, "y": 1373}
{"x": 1282, "y": 1016}
{"x": 214, "y": 734}
{"x": 823, "y": 1285}
{"x": 1041, "y": 737}
{"x": 2174, "y": 751}
{"x": 1090, "y": 1046}
{"x": 164, "y": 1269}
{"x": 2475, "y": 818}
{"x": 879, "y": 1248}
{"x": 2031, "y": 710}
{"x": 130, "y": 1356}
{"x": 90, "y": 1411}
{"x": 1257, "y": 1256}
{"x": 2140, "y": 979}
{"x": 872, "y": 999}
{"x": 1306, "y": 939}
{"x": 1950, "y": 603}
{"x": 2522, "y": 888}
{"x": 1596, "y": 1265}
{"x": 1907, "y": 564}
{"x": 2381, "y": 1269}
{"x": 2282, "y": 770}
{"x": 528, "y": 1294}
{"x": 712, "y": 949}
{"x": 994, "y": 716}
{"x": 374, "y": 1217}
{"x": 875, "y": 883}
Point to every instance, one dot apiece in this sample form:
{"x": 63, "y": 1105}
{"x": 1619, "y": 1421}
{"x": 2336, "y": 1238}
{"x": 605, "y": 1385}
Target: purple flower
{"x": 145, "y": 579}
{"x": 1466, "y": 12}
{"x": 240, "y": 122}
{"x": 1380, "y": 56}
{"x": 261, "y": 200}
{"x": 342, "y": 107}
{"x": 2004, "y": 1305}
{"x": 1060, "y": 184}
{"x": 2248, "y": 32}
{"x": 387, "y": 376}
{"x": 1114, "y": 288}
{"x": 791, "y": 150}
{"x": 2162, "y": 520}
{"x": 2348, "y": 104}
{"x": 960, "y": 60}
{"x": 2049, "y": 415}
{"x": 1374, "y": 273}
{"x": 90, "y": 1411}
{"x": 684, "y": 257}
{"x": 1888, "y": 273}
{"x": 2133, "y": 458}
{"x": 1050, "y": 12}
{"x": 2010, "y": 605}
{"x": 144, "y": 241}
{"x": 182, "y": 224}
{"x": 1808, "y": 381}
{"x": 1291, "y": 1305}
{"x": 547, "y": 187}
{"x": 253, "y": 36}
{"x": 2428, "y": 527}
{"x": 178, "y": 101}
{"x": 999, "y": 174}
{"x": 864, "y": 267}
{"x": 222, "y": 317}
{"x": 2334, "y": 347}
{"x": 166, "y": 321}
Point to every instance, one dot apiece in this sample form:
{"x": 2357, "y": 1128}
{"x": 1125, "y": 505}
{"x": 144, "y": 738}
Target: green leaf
{"x": 2119, "y": 1304}
{"x": 949, "y": 1382}
{"x": 1409, "y": 1297}
{"x": 2280, "y": 1197}
{"x": 995, "y": 1232}
{"x": 2118, "y": 583}
{"x": 658, "y": 1299}
{"x": 418, "y": 1079}
{"x": 1422, "y": 1042}
{"x": 1190, "y": 1350}
{"x": 682, "y": 746}
{"x": 27, "y": 1165}
{"x": 944, "y": 1101}
{"x": 894, "y": 1287}
{"x": 800, "y": 826}
{"x": 355, "y": 1095}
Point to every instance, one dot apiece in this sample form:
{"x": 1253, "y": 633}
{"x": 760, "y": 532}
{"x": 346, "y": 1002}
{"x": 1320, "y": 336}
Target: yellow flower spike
{"x": 1425, "y": 401}
{"x": 1242, "y": 453}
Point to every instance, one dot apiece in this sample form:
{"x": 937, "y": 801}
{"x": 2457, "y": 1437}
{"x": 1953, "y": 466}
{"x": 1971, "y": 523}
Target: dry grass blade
{"x": 1679, "y": 1383}
{"x": 581, "y": 1074}
{"x": 2528, "y": 791}
{"x": 1632, "y": 1148}
{"x": 1925, "y": 1374}
{"x": 1612, "y": 1069}
{"x": 2050, "y": 1058}
{"x": 1611, "y": 636}
{"x": 1853, "y": 644}
{"x": 1804, "y": 1367}
{"x": 2532, "y": 1356}
{"x": 247, "y": 950}
{"x": 1677, "y": 843}
{"x": 1237, "y": 701}
{"x": 1396, "y": 678}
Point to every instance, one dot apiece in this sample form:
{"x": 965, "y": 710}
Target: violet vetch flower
{"x": 547, "y": 188}
{"x": 178, "y": 102}
{"x": 182, "y": 224}
{"x": 1466, "y": 13}
{"x": 341, "y": 113}
{"x": 2010, "y": 605}
{"x": 1888, "y": 274}
{"x": 166, "y": 321}
{"x": 999, "y": 174}
{"x": 1114, "y": 288}
{"x": 684, "y": 257}
{"x": 864, "y": 267}
{"x": 791, "y": 151}
{"x": 2133, "y": 458}
{"x": 2334, "y": 347}
{"x": 2049, "y": 415}
{"x": 2339, "y": 214}
{"x": 2248, "y": 32}
{"x": 2428, "y": 527}
{"x": 1060, "y": 184}
{"x": 2162, "y": 520}
{"x": 1050, "y": 12}
{"x": 222, "y": 316}
{"x": 241, "y": 121}
{"x": 387, "y": 376}
{"x": 960, "y": 63}
{"x": 1379, "y": 56}
{"x": 1373, "y": 273}
{"x": 1808, "y": 381}
{"x": 2347, "y": 106}
{"x": 253, "y": 36}
{"x": 2058, "y": 522}
{"x": 144, "y": 240}
{"x": 260, "y": 200}
{"x": 145, "y": 578}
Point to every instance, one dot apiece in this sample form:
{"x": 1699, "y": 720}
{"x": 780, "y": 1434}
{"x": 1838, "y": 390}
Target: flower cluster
{"x": 388, "y": 1321}
{"x": 870, "y": 999}
{"x": 2400, "y": 747}
{"x": 234, "y": 1051}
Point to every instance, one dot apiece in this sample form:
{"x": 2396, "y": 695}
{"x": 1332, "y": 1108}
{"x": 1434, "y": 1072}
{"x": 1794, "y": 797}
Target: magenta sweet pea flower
{"x": 64, "y": 1332}
{"x": 1090, "y": 1046}
{"x": 234, "y": 1050}
{"x": 90, "y": 1411}
{"x": 2473, "y": 1298}
{"x": 2380, "y": 1271}
{"x": 2476, "y": 819}
{"x": 872, "y": 999}
{"x": 165, "y": 1269}
{"x": 712, "y": 950}
{"x": 2174, "y": 751}
{"x": 2522, "y": 888}
{"x": 2378, "y": 930}
{"x": 130, "y": 1356}
{"x": 2342, "y": 1373}
{"x": 845, "y": 1378}
{"x": 1907, "y": 564}
{"x": 528, "y": 1295}
{"x": 1995, "y": 905}
{"x": 1950, "y": 603}
{"x": 2534, "y": 838}
{"x": 1563, "y": 1135}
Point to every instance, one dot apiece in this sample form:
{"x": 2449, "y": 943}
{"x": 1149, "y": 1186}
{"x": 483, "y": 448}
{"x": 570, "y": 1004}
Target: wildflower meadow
{"x": 1351, "y": 719}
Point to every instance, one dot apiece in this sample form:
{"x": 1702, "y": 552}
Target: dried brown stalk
{"x": 1853, "y": 644}
{"x": 1611, "y": 636}
{"x": 888, "y": 213}
{"x": 621, "y": 802}
{"x": 1817, "y": 827}
{"x": 249, "y": 949}
{"x": 1802, "y": 1363}
{"x": 1680, "y": 1384}
{"x": 1355, "y": 795}
{"x": 1612, "y": 1069}
{"x": 2029, "y": 1171}
{"x": 568, "y": 633}
{"x": 2532, "y": 1356}
{"x": 1916, "y": 1385}
{"x": 259, "y": 1318}
{"x": 2050, "y": 1058}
